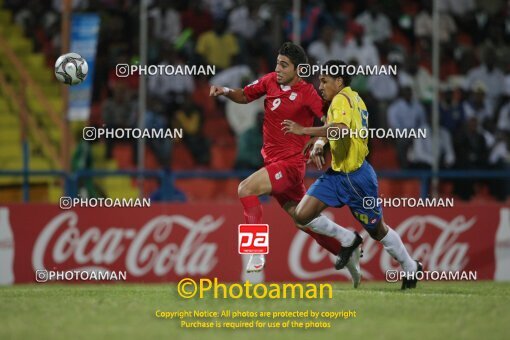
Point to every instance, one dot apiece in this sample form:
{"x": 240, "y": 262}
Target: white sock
{"x": 258, "y": 257}
{"x": 257, "y": 277}
{"x": 393, "y": 245}
{"x": 324, "y": 226}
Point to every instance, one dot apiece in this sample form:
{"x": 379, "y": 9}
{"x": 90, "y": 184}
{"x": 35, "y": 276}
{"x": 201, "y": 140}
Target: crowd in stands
{"x": 241, "y": 39}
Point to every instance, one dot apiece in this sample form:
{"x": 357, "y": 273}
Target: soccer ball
{"x": 71, "y": 69}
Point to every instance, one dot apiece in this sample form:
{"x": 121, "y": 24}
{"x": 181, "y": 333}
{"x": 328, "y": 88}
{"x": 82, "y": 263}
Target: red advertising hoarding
{"x": 167, "y": 242}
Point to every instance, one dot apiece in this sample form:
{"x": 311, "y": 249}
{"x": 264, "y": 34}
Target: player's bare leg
{"x": 393, "y": 244}
{"x": 256, "y": 184}
{"x": 249, "y": 189}
{"x": 307, "y": 216}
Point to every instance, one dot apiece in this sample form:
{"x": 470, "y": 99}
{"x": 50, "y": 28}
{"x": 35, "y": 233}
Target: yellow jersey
{"x": 348, "y": 153}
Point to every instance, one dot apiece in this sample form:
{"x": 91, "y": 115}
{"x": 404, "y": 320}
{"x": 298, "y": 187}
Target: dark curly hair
{"x": 294, "y": 52}
{"x": 341, "y": 67}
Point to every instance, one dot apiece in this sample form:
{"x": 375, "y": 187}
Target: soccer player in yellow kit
{"x": 350, "y": 179}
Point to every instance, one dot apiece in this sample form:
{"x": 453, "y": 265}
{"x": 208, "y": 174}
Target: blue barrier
{"x": 167, "y": 178}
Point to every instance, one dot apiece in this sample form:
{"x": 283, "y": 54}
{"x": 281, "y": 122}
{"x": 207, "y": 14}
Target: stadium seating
{"x": 215, "y": 127}
{"x": 42, "y": 80}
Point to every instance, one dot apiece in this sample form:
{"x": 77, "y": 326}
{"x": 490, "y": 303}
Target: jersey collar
{"x": 286, "y": 88}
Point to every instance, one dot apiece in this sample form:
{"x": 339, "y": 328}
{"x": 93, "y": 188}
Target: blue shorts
{"x": 357, "y": 190}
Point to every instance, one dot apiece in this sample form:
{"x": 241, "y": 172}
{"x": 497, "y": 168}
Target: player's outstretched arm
{"x": 236, "y": 95}
{"x": 290, "y": 126}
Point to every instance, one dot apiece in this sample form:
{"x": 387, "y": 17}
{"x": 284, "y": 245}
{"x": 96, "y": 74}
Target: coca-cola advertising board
{"x": 167, "y": 242}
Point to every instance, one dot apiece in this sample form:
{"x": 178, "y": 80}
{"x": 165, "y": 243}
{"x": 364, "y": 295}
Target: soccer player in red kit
{"x": 287, "y": 97}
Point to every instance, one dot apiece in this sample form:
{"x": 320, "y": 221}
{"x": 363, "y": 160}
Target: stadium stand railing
{"x": 169, "y": 191}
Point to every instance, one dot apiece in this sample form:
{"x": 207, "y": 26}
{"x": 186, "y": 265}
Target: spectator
{"x": 490, "y": 8}
{"x": 114, "y": 31}
{"x": 197, "y": 18}
{"x": 218, "y": 47}
{"x": 119, "y": 111}
{"x": 448, "y": 63}
{"x": 242, "y": 117}
{"x": 497, "y": 42}
{"x": 244, "y": 20}
{"x": 465, "y": 14}
{"x": 167, "y": 21}
{"x": 383, "y": 89}
{"x": 361, "y": 47}
{"x": 131, "y": 81}
{"x": 504, "y": 112}
{"x": 405, "y": 113}
{"x": 421, "y": 153}
{"x": 309, "y": 24}
{"x": 421, "y": 78}
{"x": 219, "y": 8}
{"x": 189, "y": 117}
{"x": 423, "y": 24}
{"x": 34, "y": 16}
{"x": 326, "y": 48}
{"x": 155, "y": 119}
{"x": 376, "y": 24}
{"x": 76, "y": 5}
{"x": 333, "y": 15}
{"x": 466, "y": 60}
{"x": 82, "y": 160}
{"x": 499, "y": 159}
{"x": 201, "y": 98}
{"x": 359, "y": 82}
{"x": 171, "y": 90}
{"x": 249, "y": 145}
{"x": 451, "y": 113}
{"x": 490, "y": 76}
{"x": 471, "y": 150}
{"x": 458, "y": 8}
{"x": 476, "y": 105}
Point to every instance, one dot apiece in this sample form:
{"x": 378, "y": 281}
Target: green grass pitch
{"x": 453, "y": 310}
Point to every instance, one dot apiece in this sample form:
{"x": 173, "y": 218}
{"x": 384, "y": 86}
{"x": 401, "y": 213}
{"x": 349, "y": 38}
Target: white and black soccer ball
{"x": 71, "y": 69}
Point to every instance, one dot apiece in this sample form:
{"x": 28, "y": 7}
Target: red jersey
{"x": 299, "y": 103}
